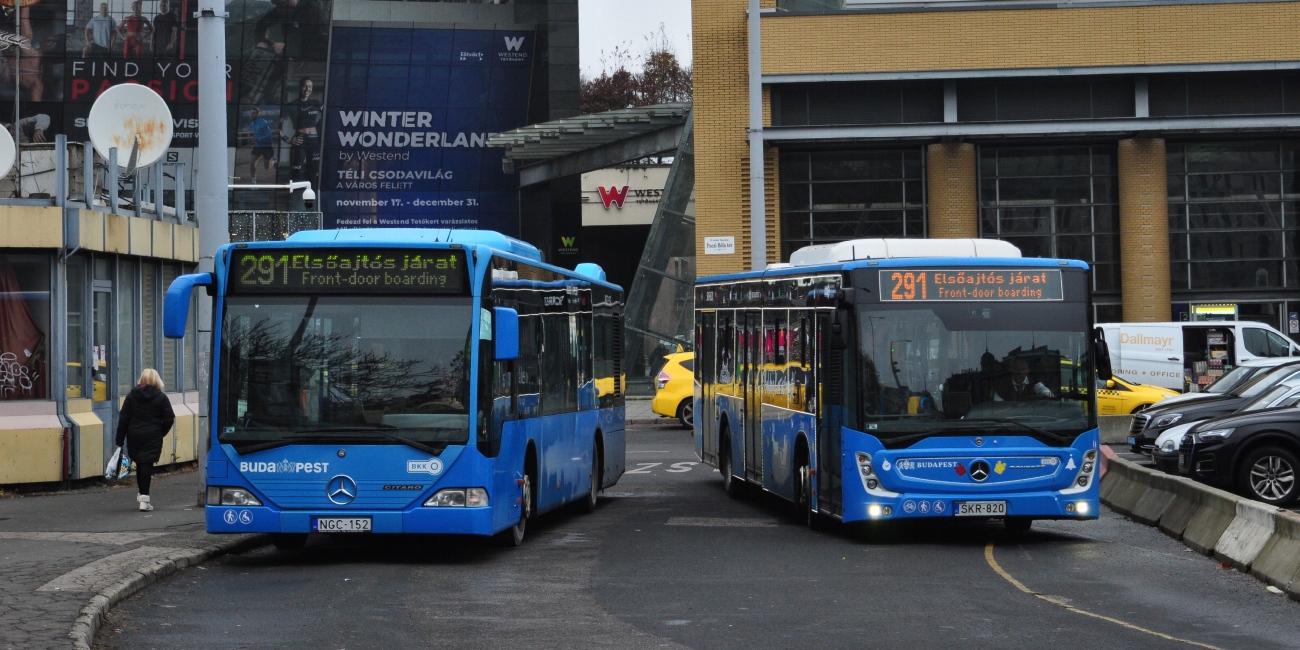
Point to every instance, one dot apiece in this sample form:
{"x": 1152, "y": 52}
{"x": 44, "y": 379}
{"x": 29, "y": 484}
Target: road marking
{"x": 110, "y": 539}
{"x": 721, "y": 522}
{"x": 988, "y": 556}
{"x": 647, "y": 451}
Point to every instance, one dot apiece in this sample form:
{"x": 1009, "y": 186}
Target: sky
{"x": 606, "y": 24}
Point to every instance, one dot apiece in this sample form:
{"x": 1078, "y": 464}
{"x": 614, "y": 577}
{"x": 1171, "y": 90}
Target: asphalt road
{"x": 669, "y": 561}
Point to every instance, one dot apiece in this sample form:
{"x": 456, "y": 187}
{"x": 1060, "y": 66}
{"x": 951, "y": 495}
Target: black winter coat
{"x": 146, "y": 418}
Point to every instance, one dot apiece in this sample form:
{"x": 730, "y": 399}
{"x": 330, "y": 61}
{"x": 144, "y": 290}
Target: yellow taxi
{"x": 1120, "y": 397}
{"x": 675, "y": 389}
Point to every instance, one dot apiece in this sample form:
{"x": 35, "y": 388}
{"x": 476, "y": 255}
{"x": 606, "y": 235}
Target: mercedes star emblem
{"x": 979, "y": 470}
{"x": 341, "y": 489}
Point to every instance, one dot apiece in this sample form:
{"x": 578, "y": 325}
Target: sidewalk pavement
{"x": 67, "y": 557}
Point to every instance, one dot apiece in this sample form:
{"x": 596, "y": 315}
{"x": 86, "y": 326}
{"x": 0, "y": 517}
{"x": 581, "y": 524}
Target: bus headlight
{"x": 231, "y": 496}
{"x": 458, "y": 498}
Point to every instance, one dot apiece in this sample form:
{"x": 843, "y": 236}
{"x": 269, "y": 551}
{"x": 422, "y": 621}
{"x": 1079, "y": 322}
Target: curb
{"x": 92, "y": 614}
{"x": 1253, "y": 537}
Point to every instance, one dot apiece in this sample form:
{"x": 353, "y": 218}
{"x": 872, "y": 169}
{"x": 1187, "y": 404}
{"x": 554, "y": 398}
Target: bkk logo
{"x": 613, "y": 196}
{"x": 432, "y": 466}
{"x": 284, "y": 467}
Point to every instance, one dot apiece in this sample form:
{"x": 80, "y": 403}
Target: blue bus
{"x": 406, "y": 381}
{"x": 895, "y": 379}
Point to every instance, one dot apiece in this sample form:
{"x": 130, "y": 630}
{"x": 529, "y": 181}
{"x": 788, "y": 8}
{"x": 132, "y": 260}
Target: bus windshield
{"x": 331, "y": 369}
{"x": 966, "y": 369}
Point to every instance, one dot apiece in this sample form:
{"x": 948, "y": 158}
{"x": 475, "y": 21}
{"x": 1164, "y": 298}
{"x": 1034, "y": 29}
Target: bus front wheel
{"x": 593, "y": 495}
{"x": 514, "y": 536}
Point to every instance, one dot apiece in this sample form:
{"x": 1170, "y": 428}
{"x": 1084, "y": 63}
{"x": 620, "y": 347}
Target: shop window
{"x": 78, "y": 318}
{"x": 1054, "y": 202}
{"x": 127, "y": 325}
{"x": 150, "y": 315}
{"x": 24, "y": 326}
{"x": 170, "y": 369}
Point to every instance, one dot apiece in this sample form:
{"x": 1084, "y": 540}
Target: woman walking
{"x": 145, "y": 419}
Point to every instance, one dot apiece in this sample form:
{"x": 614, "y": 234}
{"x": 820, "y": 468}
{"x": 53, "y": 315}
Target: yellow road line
{"x": 988, "y": 556}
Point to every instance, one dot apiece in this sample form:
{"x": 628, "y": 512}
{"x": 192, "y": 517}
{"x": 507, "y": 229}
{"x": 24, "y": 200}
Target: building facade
{"x": 81, "y": 296}
{"x": 1156, "y": 140}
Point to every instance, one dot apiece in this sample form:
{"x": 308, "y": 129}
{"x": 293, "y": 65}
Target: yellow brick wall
{"x": 1144, "y": 222}
{"x": 721, "y": 113}
{"x": 1024, "y": 38}
{"x": 952, "y": 205}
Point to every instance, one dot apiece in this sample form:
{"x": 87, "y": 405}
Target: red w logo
{"x": 614, "y": 195}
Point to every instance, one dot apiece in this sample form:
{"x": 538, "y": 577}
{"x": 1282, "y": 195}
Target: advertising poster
{"x": 409, "y": 114}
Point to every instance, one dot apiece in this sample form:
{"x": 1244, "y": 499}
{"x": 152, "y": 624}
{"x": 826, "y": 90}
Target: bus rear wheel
{"x": 514, "y": 536}
{"x": 593, "y": 495}
{"x": 729, "y": 483}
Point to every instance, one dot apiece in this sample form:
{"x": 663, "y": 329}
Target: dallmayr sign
{"x": 408, "y": 118}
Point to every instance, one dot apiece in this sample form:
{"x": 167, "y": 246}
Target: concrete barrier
{"x": 1158, "y": 497}
{"x": 1253, "y": 537}
{"x": 1114, "y": 428}
{"x": 1278, "y": 563}
{"x": 1246, "y": 536}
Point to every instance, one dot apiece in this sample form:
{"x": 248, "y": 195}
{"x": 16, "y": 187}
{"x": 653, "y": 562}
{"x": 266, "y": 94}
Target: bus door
{"x": 706, "y": 374}
{"x": 835, "y": 381}
{"x": 753, "y": 395}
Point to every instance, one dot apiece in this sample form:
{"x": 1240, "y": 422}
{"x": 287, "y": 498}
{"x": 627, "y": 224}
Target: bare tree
{"x": 662, "y": 78}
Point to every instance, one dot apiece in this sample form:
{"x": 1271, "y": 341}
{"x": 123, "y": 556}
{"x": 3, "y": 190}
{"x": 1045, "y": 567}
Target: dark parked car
{"x": 1165, "y": 454}
{"x": 1256, "y": 454}
{"x": 1150, "y": 423}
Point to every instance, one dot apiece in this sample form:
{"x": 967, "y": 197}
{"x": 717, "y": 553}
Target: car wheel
{"x": 1269, "y": 474}
{"x": 686, "y": 413}
{"x": 514, "y": 536}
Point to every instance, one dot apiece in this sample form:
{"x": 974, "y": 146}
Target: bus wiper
{"x": 383, "y": 430}
{"x": 266, "y": 445}
{"x": 1022, "y": 425}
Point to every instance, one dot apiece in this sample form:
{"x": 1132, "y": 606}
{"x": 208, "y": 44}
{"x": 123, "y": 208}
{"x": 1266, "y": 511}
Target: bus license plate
{"x": 341, "y": 524}
{"x": 980, "y": 509}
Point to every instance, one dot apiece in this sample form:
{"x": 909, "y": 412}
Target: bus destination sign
{"x": 970, "y": 285}
{"x": 347, "y": 270}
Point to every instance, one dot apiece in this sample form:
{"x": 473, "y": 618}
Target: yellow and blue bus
{"x": 894, "y": 379}
{"x": 406, "y": 381}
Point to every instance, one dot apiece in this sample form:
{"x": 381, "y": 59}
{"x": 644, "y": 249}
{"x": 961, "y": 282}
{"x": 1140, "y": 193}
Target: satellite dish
{"x": 7, "y": 152}
{"x": 135, "y": 120}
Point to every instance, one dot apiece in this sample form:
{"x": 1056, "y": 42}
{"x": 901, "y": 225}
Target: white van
{"x": 1191, "y": 355}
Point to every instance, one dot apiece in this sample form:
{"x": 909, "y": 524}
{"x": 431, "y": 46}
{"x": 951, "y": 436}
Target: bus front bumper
{"x": 1036, "y": 505}
{"x": 261, "y": 519}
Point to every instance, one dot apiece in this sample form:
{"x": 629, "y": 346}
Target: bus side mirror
{"x": 839, "y": 330}
{"x": 506, "y": 323}
{"x": 176, "y": 306}
{"x": 1102, "y": 353}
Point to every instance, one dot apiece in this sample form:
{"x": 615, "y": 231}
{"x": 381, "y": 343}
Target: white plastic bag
{"x": 112, "y": 467}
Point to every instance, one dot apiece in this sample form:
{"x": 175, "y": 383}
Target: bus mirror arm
{"x": 1101, "y": 352}
{"x": 176, "y": 307}
{"x": 505, "y": 322}
{"x": 839, "y": 341}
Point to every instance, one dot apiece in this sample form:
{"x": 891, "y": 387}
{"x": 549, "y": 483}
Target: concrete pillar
{"x": 1144, "y": 230}
{"x": 952, "y": 204}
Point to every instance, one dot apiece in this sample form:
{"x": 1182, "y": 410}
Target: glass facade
{"x": 1232, "y": 216}
{"x": 832, "y": 196}
{"x": 1055, "y": 202}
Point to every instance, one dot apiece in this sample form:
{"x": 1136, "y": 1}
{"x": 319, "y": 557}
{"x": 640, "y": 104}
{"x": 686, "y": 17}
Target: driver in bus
{"x": 1017, "y": 387}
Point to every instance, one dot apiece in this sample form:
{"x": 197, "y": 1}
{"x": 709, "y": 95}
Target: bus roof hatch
{"x": 884, "y": 249}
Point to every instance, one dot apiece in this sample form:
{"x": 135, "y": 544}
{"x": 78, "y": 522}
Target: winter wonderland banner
{"x": 407, "y": 117}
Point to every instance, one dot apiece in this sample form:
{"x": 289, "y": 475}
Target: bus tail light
{"x": 231, "y": 496}
{"x": 459, "y": 498}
